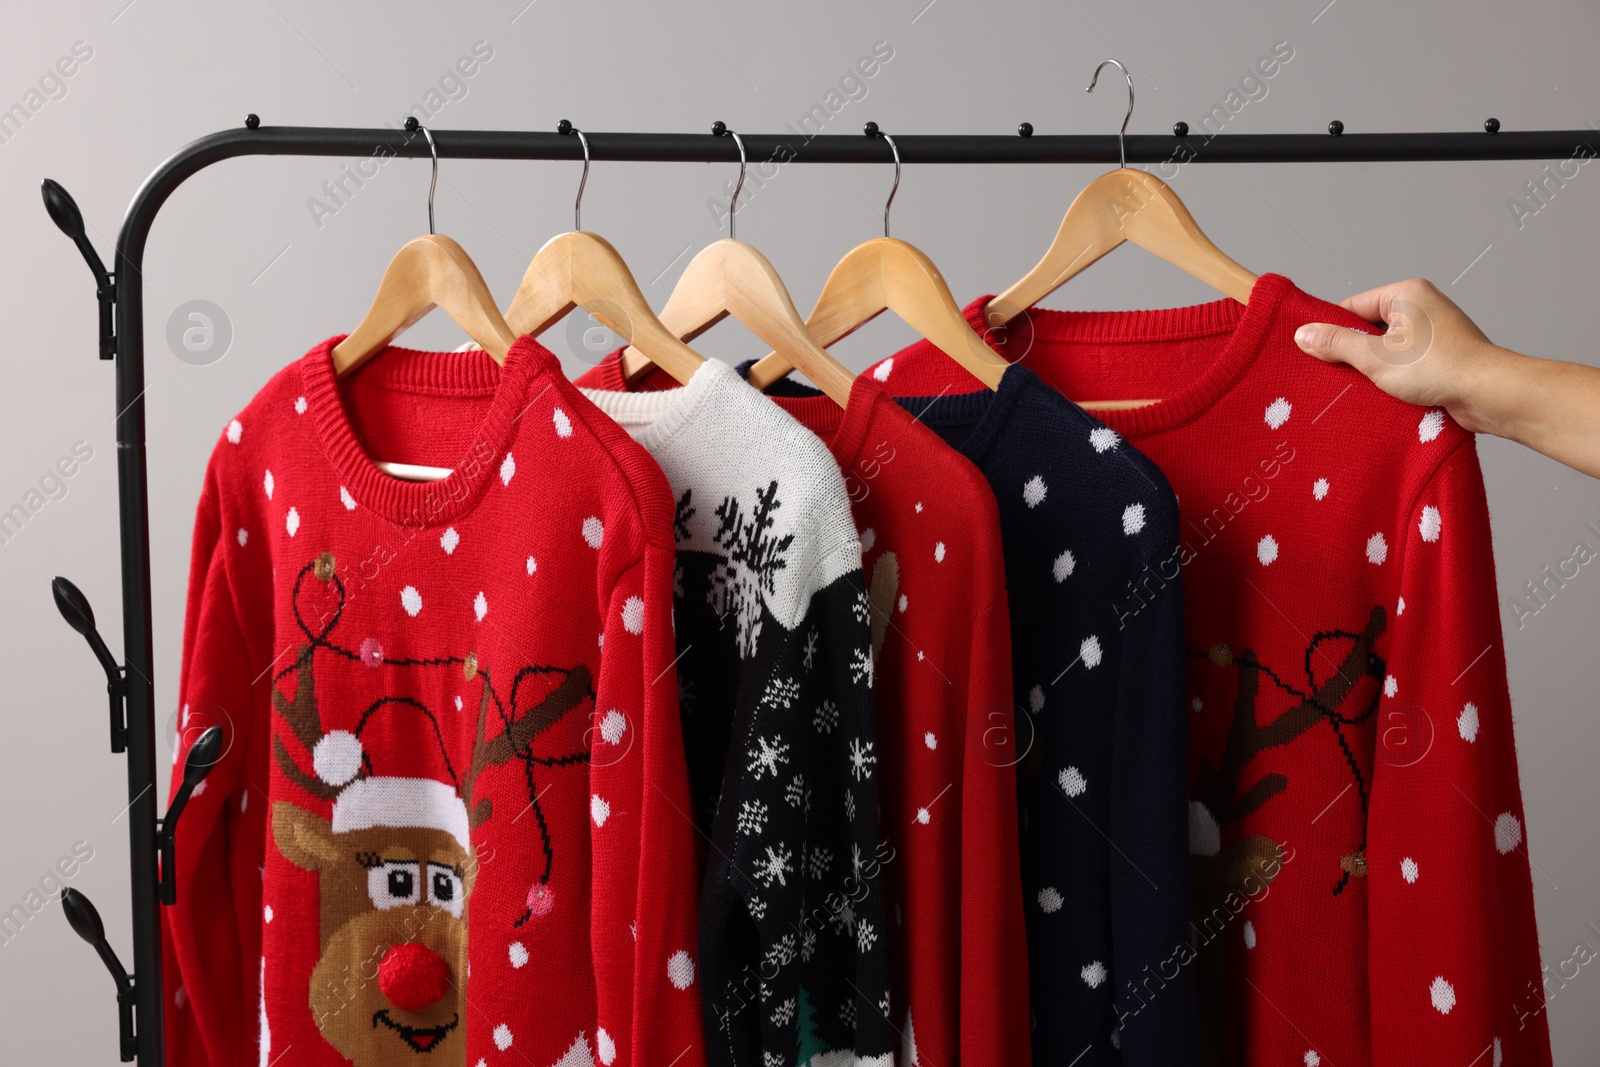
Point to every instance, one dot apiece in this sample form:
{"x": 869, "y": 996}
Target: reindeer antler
{"x": 303, "y": 718}
{"x": 573, "y": 690}
{"x": 1215, "y": 787}
{"x": 301, "y": 712}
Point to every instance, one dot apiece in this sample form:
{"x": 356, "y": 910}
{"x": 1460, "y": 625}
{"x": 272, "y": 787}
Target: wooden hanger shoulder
{"x": 888, "y": 274}
{"x": 582, "y": 269}
{"x": 733, "y": 278}
{"x": 1123, "y": 205}
{"x": 1159, "y": 222}
{"x": 916, "y": 291}
{"x": 428, "y": 272}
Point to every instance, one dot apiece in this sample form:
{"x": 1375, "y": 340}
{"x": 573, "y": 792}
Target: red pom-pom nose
{"x": 413, "y": 976}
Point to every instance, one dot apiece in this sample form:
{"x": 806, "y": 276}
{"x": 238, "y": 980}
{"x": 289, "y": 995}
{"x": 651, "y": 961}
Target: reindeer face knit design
{"x": 777, "y": 673}
{"x": 1361, "y": 877}
{"x": 446, "y": 823}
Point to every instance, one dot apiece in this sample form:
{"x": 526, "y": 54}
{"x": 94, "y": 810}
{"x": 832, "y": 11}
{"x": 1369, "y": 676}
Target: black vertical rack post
{"x": 120, "y": 299}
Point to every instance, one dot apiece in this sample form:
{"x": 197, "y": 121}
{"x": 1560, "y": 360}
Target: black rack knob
{"x": 1024, "y": 129}
{"x": 870, "y": 129}
{"x": 86, "y": 923}
{"x": 719, "y": 128}
{"x": 63, "y": 210}
{"x": 1491, "y": 125}
{"x": 83, "y": 917}
{"x": 412, "y": 125}
{"x": 203, "y": 756}
{"x": 74, "y": 607}
{"x": 1336, "y": 127}
{"x": 1180, "y": 129}
{"x": 252, "y": 121}
{"x": 564, "y": 127}
{"x": 69, "y": 220}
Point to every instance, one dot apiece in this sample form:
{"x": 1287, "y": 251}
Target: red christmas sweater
{"x": 1360, "y": 864}
{"x": 446, "y": 825}
{"x": 931, "y": 555}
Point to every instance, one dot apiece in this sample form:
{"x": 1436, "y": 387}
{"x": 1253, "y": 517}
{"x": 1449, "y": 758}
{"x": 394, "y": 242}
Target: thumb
{"x": 1337, "y": 344}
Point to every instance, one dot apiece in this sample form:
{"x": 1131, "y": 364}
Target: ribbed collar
{"x": 985, "y": 411}
{"x": 429, "y": 373}
{"x": 1247, "y": 327}
{"x": 842, "y": 429}
{"x": 607, "y": 374}
{"x": 655, "y": 418}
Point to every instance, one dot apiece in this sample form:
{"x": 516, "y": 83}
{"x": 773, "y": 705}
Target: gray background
{"x": 242, "y": 236}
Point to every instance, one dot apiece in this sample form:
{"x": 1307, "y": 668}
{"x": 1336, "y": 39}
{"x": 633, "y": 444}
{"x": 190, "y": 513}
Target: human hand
{"x": 1429, "y": 354}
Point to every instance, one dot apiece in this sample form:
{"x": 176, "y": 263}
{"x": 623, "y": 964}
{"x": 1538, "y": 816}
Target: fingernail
{"x": 1304, "y": 336}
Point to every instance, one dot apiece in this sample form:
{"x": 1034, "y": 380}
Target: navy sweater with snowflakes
{"x": 776, "y": 672}
{"x": 1090, "y": 530}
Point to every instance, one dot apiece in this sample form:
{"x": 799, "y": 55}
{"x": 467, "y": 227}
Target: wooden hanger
{"x": 428, "y": 272}
{"x": 888, "y": 274}
{"x": 732, "y": 278}
{"x": 1124, "y": 205}
{"x": 579, "y": 269}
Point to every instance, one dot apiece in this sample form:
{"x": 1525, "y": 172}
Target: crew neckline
{"x": 654, "y": 417}
{"x": 842, "y": 429}
{"x": 1247, "y": 327}
{"x": 427, "y": 373}
{"x": 984, "y": 411}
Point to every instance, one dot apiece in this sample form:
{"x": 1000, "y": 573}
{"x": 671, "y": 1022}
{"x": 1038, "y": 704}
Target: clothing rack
{"x": 120, "y": 297}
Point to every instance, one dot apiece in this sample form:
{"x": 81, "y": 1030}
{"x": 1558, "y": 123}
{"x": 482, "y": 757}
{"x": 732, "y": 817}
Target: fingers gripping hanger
{"x": 1123, "y": 205}
{"x": 888, "y": 274}
{"x": 581, "y": 269}
{"x": 730, "y": 277}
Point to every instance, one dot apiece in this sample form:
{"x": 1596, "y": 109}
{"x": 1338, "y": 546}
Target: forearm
{"x": 1548, "y": 405}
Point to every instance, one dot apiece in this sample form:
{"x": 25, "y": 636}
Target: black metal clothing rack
{"x": 120, "y": 297}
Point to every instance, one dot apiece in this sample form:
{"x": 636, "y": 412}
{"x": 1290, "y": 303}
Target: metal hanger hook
{"x": 871, "y": 130}
{"x": 717, "y": 130}
{"x": 1122, "y": 151}
{"x": 565, "y": 127}
{"x": 433, "y": 185}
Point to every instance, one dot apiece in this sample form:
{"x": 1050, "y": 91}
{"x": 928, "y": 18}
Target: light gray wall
{"x": 242, "y": 236}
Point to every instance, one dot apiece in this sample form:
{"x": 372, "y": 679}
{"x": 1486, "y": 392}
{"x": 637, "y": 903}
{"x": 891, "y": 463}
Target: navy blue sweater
{"x": 1090, "y": 529}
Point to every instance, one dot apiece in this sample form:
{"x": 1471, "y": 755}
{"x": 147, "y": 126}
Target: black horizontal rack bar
{"x": 122, "y": 338}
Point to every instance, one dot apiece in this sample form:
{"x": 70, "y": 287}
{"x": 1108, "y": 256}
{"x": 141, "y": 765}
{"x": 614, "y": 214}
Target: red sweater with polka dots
{"x": 447, "y": 821}
{"x": 1362, "y": 886}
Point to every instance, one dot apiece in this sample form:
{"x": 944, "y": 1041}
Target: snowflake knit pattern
{"x": 1098, "y": 681}
{"x": 777, "y": 674}
{"x": 941, "y": 636}
{"x": 1361, "y": 875}
{"x": 447, "y": 820}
